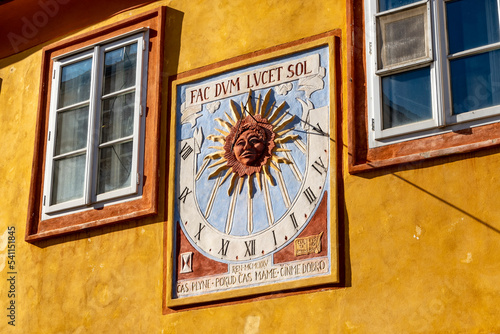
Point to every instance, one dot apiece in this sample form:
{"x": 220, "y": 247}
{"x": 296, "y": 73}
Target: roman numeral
{"x": 309, "y": 195}
{"x": 250, "y": 247}
{"x": 294, "y": 220}
{"x": 223, "y": 249}
{"x": 184, "y": 194}
{"x": 186, "y": 151}
{"x": 200, "y": 228}
{"x": 274, "y": 237}
{"x": 319, "y": 166}
{"x": 318, "y": 129}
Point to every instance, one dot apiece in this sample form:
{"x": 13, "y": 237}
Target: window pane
{"x": 390, "y": 4}
{"x": 403, "y": 37}
{"x": 475, "y": 81}
{"x": 120, "y": 68}
{"x": 71, "y": 132}
{"x": 471, "y": 23}
{"x": 117, "y": 117}
{"x": 75, "y": 83}
{"x": 69, "y": 178}
{"x": 406, "y": 98}
{"x": 115, "y": 164}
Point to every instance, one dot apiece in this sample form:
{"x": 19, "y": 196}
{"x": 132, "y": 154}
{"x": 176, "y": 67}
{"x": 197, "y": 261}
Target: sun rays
{"x": 268, "y": 118}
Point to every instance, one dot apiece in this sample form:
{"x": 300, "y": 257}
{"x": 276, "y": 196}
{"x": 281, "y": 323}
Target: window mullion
{"x": 93, "y": 129}
{"x": 498, "y": 11}
{"x": 139, "y": 112}
{"x": 374, "y": 96}
{"x": 440, "y": 64}
{"x": 51, "y": 135}
{"x": 475, "y": 51}
{"x": 445, "y": 66}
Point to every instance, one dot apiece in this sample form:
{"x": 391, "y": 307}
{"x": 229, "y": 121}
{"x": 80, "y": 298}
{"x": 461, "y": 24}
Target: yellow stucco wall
{"x": 423, "y": 252}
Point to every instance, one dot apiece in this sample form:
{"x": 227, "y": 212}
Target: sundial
{"x": 253, "y": 192}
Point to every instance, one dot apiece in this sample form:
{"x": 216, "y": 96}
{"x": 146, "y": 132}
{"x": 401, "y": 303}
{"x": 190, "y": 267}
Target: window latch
{"x": 373, "y": 124}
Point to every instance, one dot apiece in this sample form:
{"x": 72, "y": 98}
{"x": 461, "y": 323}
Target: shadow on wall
{"x": 345, "y": 274}
{"x": 429, "y": 163}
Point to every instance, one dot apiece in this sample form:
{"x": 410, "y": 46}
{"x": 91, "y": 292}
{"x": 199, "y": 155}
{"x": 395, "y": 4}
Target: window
{"x": 98, "y": 129}
{"x": 95, "y": 125}
{"x": 433, "y": 67}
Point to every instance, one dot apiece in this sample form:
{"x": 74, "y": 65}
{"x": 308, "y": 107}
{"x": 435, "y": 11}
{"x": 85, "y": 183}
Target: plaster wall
{"x": 421, "y": 240}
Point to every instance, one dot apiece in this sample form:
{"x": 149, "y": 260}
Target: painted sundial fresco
{"x": 253, "y": 168}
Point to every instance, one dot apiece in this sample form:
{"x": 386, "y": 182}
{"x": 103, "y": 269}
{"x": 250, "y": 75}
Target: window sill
{"x": 462, "y": 141}
{"x": 93, "y": 218}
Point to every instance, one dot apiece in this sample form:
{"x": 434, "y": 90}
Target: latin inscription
{"x": 258, "y": 79}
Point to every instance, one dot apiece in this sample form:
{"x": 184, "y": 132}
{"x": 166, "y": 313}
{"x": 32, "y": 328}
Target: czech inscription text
{"x": 253, "y": 273}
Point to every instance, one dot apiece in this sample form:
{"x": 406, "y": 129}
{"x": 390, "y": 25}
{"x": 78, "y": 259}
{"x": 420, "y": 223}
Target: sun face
{"x": 251, "y": 138}
{"x": 249, "y": 145}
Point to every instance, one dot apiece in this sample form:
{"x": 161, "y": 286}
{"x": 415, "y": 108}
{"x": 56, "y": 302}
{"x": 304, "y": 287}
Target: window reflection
{"x": 75, "y": 83}
{"x": 471, "y": 23}
{"x": 117, "y": 117}
{"x": 71, "y": 131}
{"x": 115, "y": 164}
{"x": 68, "y": 179}
{"x": 406, "y": 98}
{"x": 120, "y": 69}
{"x": 475, "y": 82}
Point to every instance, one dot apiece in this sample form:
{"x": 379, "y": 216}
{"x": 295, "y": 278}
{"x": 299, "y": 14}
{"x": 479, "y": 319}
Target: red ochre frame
{"x": 361, "y": 157}
{"x": 147, "y": 204}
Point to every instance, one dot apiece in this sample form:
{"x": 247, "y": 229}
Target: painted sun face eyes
{"x": 255, "y": 140}
{"x": 252, "y": 140}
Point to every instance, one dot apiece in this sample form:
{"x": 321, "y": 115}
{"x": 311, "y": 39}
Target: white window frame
{"x": 90, "y": 197}
{"x": 443, "y": 119}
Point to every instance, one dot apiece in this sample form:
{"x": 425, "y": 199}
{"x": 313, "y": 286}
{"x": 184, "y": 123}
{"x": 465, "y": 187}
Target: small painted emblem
{"x": 308, "y": 245}
{"x": 186, "y": 262}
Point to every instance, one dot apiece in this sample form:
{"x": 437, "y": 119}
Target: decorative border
{"x": 332, "y": 39}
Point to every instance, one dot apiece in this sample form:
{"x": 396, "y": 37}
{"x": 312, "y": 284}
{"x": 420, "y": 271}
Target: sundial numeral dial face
{"x": 253, "y": 159}
{"x": 248, "y": 193}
